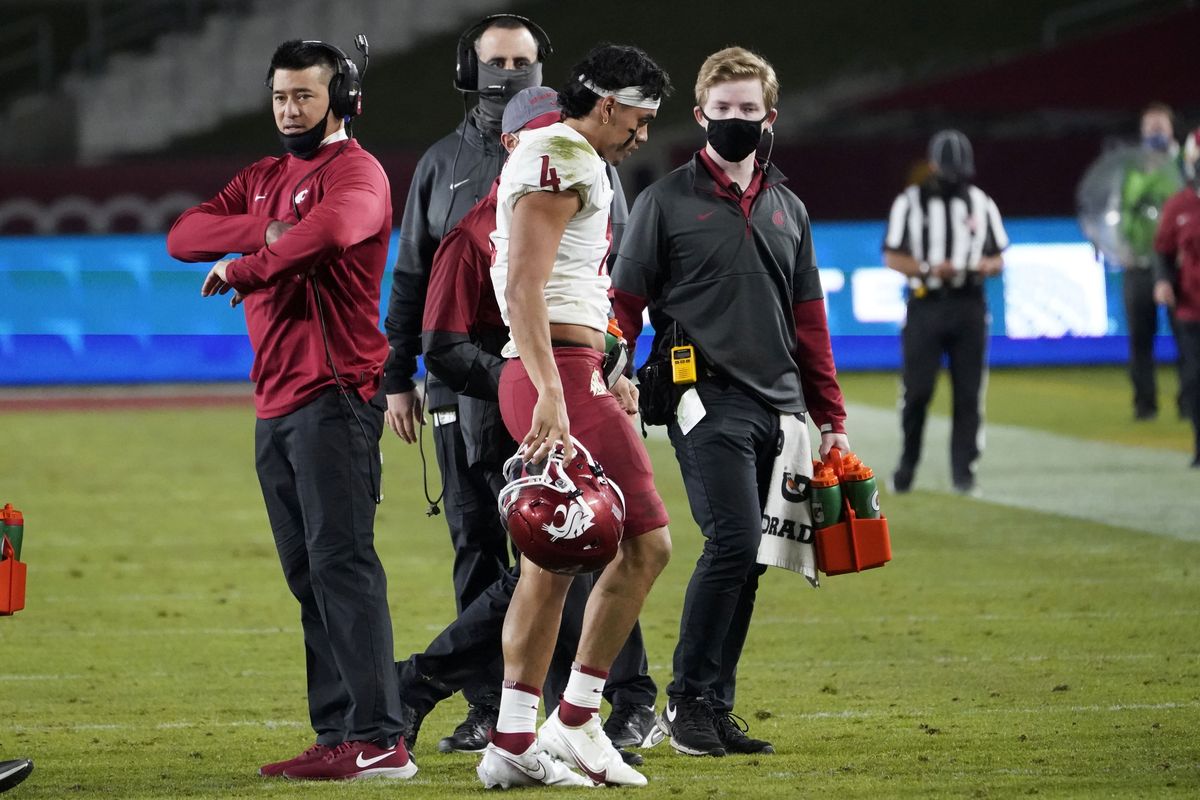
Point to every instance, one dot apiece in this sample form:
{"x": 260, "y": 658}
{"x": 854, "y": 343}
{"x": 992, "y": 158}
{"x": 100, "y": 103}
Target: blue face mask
{"x": 1158, "y": 142}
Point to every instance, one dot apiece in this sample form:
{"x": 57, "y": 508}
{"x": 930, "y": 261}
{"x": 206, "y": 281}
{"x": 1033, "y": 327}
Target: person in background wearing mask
{"x": 498, "y": 56}
{"x": 721, "y": 248}
{"x": 1177, "y": 279}
{"x": 1146, "y": 186}
{"x": 945, "y": 236}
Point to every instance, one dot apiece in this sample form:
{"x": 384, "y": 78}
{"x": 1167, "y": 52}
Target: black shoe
{"x": 473, "y": 733}
{"x": 732, "y": 730}
{"x": 631, "y": 758}
{"x": 690, "y": 724}
{"x": 410, "y": 723}
{"x": 633, "y": 726}
{"x": 13, "y": 772}
{"x": 1196, "y": 462}
{"x": 902, "y": 480}
{"x": 966, "y": 487}
{"x": 1145, "y": 414}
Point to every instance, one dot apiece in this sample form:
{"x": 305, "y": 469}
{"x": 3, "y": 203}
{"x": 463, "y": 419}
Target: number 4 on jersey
{"x": 549, "y": 174}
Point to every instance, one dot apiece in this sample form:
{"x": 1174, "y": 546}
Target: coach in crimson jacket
{"x": 722, "y": 248}
{"x": 313, "y": 226}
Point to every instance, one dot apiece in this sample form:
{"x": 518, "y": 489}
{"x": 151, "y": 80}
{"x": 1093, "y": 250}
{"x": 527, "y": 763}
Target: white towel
{"x": 787, "y": 521}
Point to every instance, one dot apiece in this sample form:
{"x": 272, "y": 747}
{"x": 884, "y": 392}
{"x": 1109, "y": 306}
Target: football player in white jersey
{"x": 551, "y": 279}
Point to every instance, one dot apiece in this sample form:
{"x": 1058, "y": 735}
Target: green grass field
{"x": 1002, "y": 653}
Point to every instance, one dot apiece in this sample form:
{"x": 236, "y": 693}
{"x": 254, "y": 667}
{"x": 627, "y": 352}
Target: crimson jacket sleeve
{"x": 814, "y": 352}
{"x": 219, "y": 226}
{"x": 456, "y": 281}
{"x": 351, "y": 209}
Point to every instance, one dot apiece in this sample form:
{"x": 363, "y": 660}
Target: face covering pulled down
{"x": 306, "y": 143}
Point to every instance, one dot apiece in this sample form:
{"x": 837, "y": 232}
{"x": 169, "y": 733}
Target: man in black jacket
{"x": 498, "y": 57}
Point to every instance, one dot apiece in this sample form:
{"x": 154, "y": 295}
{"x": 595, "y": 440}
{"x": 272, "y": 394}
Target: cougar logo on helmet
{"x": 565, "y": 516}
{"x": 577, "y": 518}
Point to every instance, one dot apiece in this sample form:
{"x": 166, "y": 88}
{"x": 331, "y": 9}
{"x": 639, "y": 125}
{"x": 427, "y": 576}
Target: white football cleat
{"x": 589, "y": 749}
{"x": 500, "y": 769}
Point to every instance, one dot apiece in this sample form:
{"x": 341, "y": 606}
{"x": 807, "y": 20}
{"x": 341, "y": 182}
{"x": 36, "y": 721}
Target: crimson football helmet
{"x": 566, "y": 517}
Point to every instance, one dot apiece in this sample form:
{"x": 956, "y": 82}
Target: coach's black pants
{"x": 1187, "y": 335}
{"x": 1141, "y": 317}
{"x": 479, "y": 541}
{"x": 726, "y": 462}
{"x": 320, "y": 473}
{"x": 953, "y": 323}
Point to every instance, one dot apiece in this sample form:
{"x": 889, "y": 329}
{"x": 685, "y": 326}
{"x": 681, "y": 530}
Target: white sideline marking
{"x": 1130, "y": 487}
{"x": 1117, "y": 708}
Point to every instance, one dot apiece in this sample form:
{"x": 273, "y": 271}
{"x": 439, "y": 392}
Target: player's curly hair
{"x": 611, "y": 66}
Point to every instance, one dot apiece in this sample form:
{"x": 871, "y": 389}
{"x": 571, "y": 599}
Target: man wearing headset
{"x": 312, "y": 227}
{"x": 497, "y": 57}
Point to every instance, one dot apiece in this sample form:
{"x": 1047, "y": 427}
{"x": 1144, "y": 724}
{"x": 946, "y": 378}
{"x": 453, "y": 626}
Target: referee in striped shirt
{"x": 945, "y": 235}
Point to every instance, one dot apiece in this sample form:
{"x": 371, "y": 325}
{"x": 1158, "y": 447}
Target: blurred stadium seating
{"x": 165, "y": 110}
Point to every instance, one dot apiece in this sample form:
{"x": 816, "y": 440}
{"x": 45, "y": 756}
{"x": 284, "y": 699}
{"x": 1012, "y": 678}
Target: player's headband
{"x": 629, "y": 96}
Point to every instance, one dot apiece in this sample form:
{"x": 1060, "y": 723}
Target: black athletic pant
{"x": 951, "y": 323}
{"x": 1141, "y": 317}
{"x": 726, "y": 462}
{"x": 320, "y": 474}
{"x": 480, "y": 543}
{"x": 479, "y": 540}
{"x": 1188, "y": 337}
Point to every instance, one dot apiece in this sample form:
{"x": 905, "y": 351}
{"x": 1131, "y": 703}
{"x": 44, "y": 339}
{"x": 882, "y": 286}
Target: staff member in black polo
{"x": 946, "y": 236}
{"x": 721, "y": 248}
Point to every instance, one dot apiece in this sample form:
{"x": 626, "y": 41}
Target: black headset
{"x": 466, "y": 67}
{"x": 345, "y": 87}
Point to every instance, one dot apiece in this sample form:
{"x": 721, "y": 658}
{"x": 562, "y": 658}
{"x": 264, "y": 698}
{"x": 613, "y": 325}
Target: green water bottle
{"x": 826, "y": 496}
{"x": 12, "y": 525}
{"x": 858, "y": 482}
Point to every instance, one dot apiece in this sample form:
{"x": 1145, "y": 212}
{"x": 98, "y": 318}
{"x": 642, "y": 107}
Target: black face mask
{"x": 490, "y": 111}
{"x": 304, "y": 145}
{"x": 734, "y": 139}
